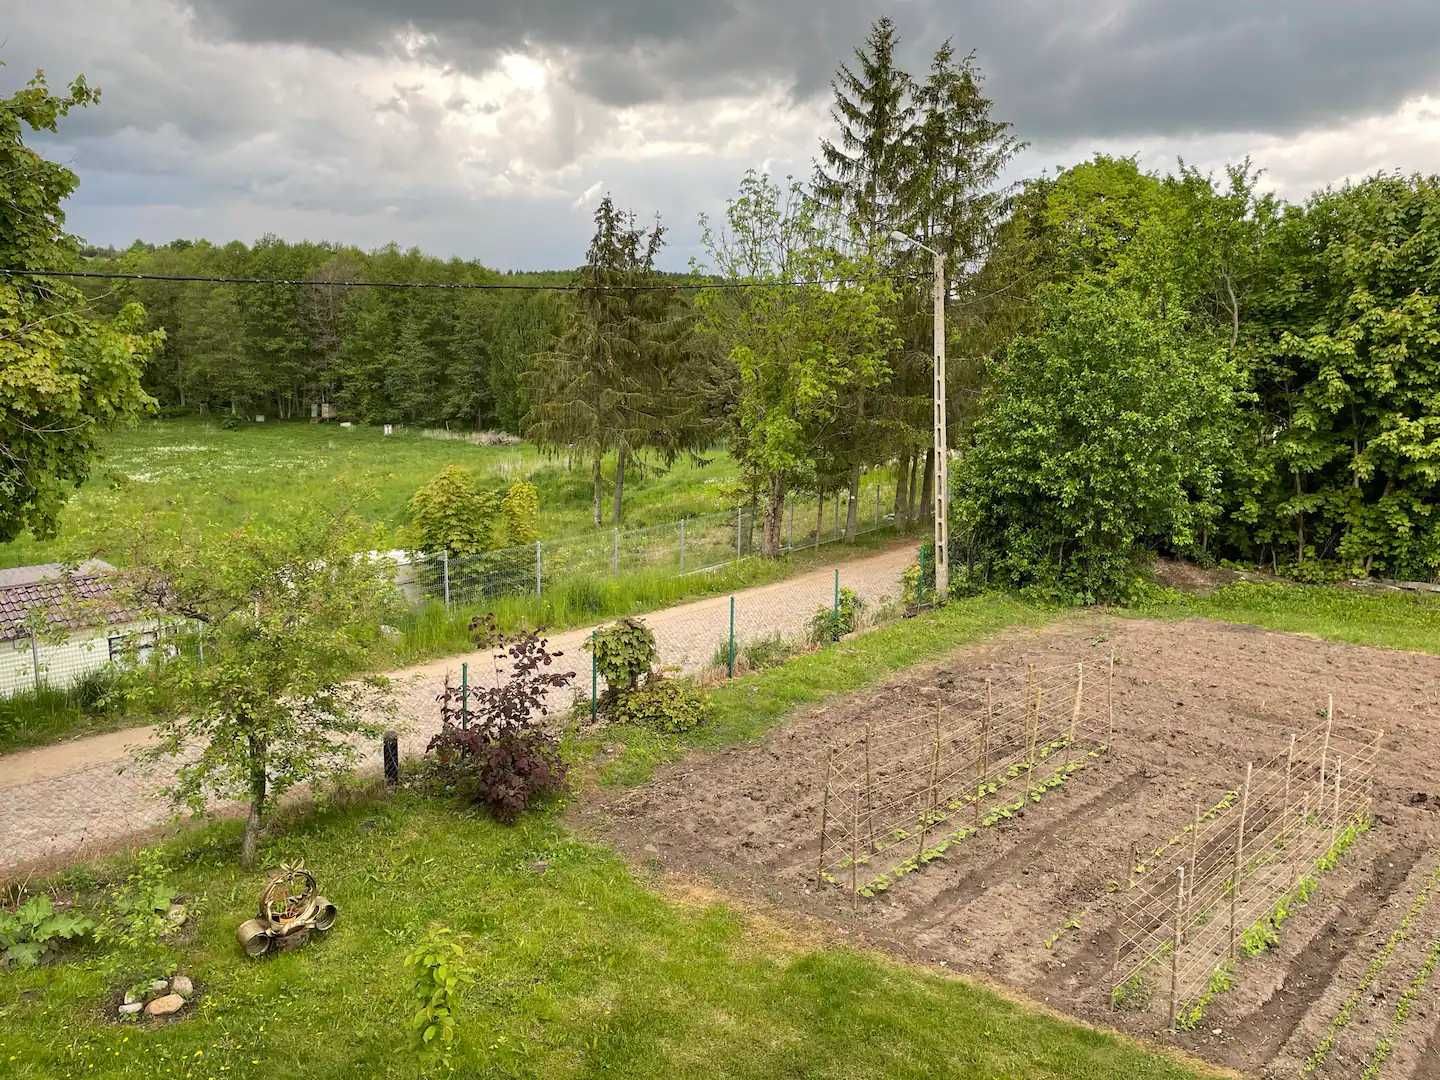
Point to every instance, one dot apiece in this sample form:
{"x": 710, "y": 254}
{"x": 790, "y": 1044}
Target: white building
{"x": 80, "y": 626}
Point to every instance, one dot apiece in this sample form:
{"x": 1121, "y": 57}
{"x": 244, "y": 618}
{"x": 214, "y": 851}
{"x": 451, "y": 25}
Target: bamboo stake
{"x": 1285, "y": 814}
{"x": 982, "y": 763}
{"x": 824, "y": 816}
{"x": 1175, "y": 949}
{"x": 1236, "y": 876}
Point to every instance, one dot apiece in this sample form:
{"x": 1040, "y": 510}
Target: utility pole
{"x": 942, "y": 455}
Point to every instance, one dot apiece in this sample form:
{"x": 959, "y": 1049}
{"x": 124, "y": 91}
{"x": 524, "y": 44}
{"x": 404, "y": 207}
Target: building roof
{"x": 66, "y": 601}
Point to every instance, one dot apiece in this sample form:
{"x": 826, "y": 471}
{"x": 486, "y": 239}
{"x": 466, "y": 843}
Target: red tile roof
{"x": 70, "y": 601}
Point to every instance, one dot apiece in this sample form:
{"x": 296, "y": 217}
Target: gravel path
{"x": 57, "y": 802}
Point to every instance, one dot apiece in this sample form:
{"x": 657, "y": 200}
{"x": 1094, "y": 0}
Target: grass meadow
{"x": 177, "y": 469}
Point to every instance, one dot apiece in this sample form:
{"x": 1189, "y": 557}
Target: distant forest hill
{"x": 415, "y": 356}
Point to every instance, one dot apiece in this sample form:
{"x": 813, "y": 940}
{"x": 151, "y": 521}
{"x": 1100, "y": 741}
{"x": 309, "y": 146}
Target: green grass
{"x": 750, "y": 705}
{"x": 1392, "y": 620}
{"x": 193, "y": 469}
{"x": 583, "y": 970}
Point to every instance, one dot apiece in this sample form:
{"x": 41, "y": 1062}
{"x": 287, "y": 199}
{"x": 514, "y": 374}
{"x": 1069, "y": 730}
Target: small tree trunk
{"x": 902, "y": 491}
{"x": 595, "y": 489}
{"x": 1299, "y": 526}
{"x": 927, "y": 489}
{"x": 774, "y": 517}
{"x": 819, "y": 516}
{"x": 852, "y": 509}
{"x": 619, "y": 486}
{"x": 255, "y": 820}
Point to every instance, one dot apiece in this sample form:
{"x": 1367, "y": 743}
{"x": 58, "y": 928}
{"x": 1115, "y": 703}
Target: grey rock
{"x": 159, "y": 986}
{"x": 182, "y": 985}
{"x": 131, "y": 1008}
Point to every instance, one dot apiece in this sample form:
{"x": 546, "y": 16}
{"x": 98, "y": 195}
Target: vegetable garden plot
{"x": 1242, "y": 865}
{"x": 901, "y": 794}
{"x": 1039, "y": 900}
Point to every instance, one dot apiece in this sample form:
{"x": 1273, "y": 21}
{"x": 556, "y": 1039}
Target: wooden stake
{"x": 1237, "y": 875}
{"x": 1110, "y": 704}
{"x": 1194, "y": 846}
{"x": 855, "y": 850}
{"x": 1325, "y": 750}
{"x": 869, "y": 791}
{"x": 1130, "y": 869}
{"x": 1335, "y": 818}
{"x": 1075, "y": 713}
{"x": 1175, "y": 947}
{"x": 1285, "y": 813}
{"x": 1033, "y": 716}
{"x": 929, "y": 811}
{"x": 982, "y": 762}
{"x": 824, "y": 816}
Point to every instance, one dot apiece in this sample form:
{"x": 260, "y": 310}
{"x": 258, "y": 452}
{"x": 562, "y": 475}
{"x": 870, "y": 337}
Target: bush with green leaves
{"x": 834, "y": 621}
{"x": 1105, "y": 433}
{"x": 667, "y": 706}
{"x": 452, "y": 513}
{"x": 625, "y": 654}
{"x": 519, "y": 515}
{"x": 140, "y": 905}
{"x": 35, "y": 930}
{"x": 440, "y": 970}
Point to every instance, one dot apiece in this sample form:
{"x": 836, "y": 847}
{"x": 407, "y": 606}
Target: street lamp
{"x": 942, "y": 466}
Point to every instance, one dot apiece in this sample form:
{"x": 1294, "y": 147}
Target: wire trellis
{"x": 899, "y": 796}
{"x": 1238, "y": 866}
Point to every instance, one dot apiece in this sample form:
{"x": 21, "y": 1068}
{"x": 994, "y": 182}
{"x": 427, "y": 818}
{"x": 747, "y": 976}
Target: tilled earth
{"x": 1194, "y": 701}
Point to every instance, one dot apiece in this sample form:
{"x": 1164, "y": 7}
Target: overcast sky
{"x": 487, "y": 129}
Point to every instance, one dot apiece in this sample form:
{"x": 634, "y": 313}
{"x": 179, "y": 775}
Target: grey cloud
{"x": 1058, "y": 70}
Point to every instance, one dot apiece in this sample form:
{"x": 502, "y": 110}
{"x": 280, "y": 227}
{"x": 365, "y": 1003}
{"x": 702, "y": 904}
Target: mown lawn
{"x": 583, "y": 970}
{"x": 192, "y": 469}
{"x": 1391, "y": 619}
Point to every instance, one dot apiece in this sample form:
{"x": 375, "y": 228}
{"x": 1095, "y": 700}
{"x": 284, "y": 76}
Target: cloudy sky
{"x": 487, "y": 128}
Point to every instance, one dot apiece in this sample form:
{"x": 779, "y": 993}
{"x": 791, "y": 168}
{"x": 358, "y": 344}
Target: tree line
{"x": 1139, "y": 361}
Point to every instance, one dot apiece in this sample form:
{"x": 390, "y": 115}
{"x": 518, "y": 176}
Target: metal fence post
{"x": 739, "y": 516}
{"x": 682, "y": 545}
{"x": 730, "y": 656}
{"x": 537, "y": 570}
{"x": 837, "y": 590}
{"x": 464, "y": 694}
{"x": 790, "y": 529}
{"x": 35, "y": 658}
{"x": 445, "y": 569}
{"x": 594, "y": 678}
{"x": 615, "y": 550}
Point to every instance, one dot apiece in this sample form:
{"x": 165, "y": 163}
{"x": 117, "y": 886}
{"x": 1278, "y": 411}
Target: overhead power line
{"x": 458, "y": 286}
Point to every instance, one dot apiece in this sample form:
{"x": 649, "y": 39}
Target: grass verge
{"x": 748, "y": 706}
{"x": 1392, "y": 620}
{"x": 582, "y": 971}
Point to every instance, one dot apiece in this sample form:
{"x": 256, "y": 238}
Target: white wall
{"x": 60, "y": 664}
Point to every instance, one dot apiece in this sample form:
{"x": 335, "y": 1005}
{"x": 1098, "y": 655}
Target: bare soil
{"x": 1194, "y": 702}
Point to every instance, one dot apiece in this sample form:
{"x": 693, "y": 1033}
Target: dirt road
{"x": 58, "y": 801}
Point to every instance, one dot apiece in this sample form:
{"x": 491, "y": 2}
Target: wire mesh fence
{"x": 900, "y": 795}
{"x": 1217, "y": 892}
{"x": 688, "y": 545}
{"x": 57, "y": 812}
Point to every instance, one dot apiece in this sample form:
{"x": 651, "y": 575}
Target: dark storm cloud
{"x": 1059, "y": 70}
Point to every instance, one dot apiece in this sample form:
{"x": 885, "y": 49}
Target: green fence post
{"x": 837, "y": 590}
{"x": 730, "y": 660}
{"x": 594, "y": 677}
